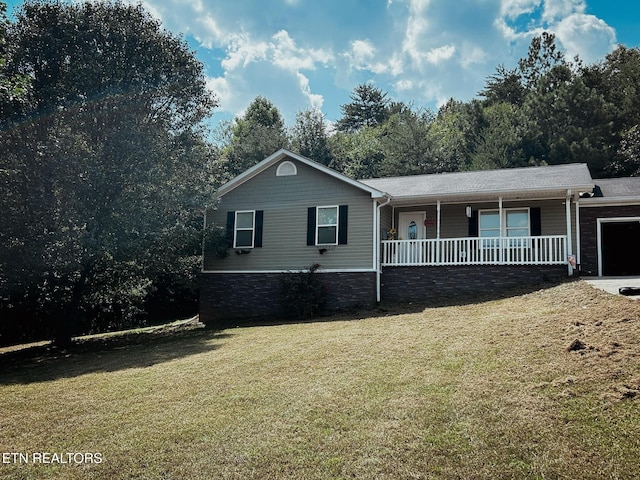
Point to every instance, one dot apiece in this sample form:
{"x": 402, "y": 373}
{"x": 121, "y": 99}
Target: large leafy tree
{"x": 358, "y": 154}
{"x": 254, "y": 136}
{"x": 13, "y": 88}
{"x": 406, "y": 144}
{"x": 617, "y": 79}
{"x": 105, "y": 170}
{"x": 309, "y": 136}
{"x": 452, "y": 133}
{"x": 498, "y": 142}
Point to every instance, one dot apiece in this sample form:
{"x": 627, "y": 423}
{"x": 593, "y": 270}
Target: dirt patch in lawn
{"x": 601, "y": 336}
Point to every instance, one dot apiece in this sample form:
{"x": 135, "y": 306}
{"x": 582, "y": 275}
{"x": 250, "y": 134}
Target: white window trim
{"x": 504, "y": 230}
{"x": 236, "y": 229}
{"x": 503, "y": 220}
{"x": 337, "y": 224}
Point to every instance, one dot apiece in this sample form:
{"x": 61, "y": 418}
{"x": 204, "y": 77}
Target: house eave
{"x": 493, "y": 195}
{"x": 609, "y": 201}
{"x": 284, "y": 153}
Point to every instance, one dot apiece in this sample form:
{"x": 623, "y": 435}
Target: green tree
{"x": 406, "y": 144}
{"x": 498, "y": 144}
{"x": 369, "y": 107}
{"x": 254, "y": 136}
{"x": 13, "y": 88}
{"x": 504, "y": 86}
{"x": 567, "y": 121}
{"x": 543, "y": 56}
{"x": 105, "y": 173}
{"x": 451, "y": 134}
{"x": 628, "y": 161}
{"x": 309, "y": 136}
{"x": 359, "y": 154}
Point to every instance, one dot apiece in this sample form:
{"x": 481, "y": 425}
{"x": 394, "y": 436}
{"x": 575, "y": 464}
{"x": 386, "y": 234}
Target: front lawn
{"x": 482, "y": 390}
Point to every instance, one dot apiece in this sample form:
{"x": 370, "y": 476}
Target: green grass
{"x": 485, "y": 390}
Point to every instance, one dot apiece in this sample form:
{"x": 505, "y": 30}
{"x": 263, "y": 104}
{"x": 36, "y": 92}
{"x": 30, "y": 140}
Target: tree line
{"x": 547, "y": 110}
{"x": 107, "y": 162}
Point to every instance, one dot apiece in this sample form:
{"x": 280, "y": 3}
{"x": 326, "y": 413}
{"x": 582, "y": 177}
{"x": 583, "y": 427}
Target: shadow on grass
{"x": 43, "y": 363}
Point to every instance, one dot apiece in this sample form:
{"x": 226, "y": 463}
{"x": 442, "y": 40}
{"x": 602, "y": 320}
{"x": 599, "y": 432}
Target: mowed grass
{"x": 481, "y": 390}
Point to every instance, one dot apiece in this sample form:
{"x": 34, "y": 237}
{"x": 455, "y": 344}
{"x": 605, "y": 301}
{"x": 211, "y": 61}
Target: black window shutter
{"x": 231, "y": 220}
{"x": 257, "y": 234}
{"x": 311, "y": 226}
{"x": 343, "y": 221}
{"x": 536, "y": 221}
{"x": 473, "y": 223}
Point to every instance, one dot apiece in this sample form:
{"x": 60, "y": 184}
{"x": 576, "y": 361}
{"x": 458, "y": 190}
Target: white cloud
{"x": 288, "y": 56}
{"x": 363, "y": 50}
{"x": 473, "y": 54}
{"x": 363, "y": 55}
{"x": 555, "y": 10}
{"x": 243, "y": 50}
{"x": 586, "y": 36}
{"x": 440, "y": 54}
{"x": 315, "y": 100}
{"x": 513, "y": 9}
{"x": 420, "y": 51}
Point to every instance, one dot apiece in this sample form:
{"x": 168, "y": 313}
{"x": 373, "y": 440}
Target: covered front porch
{"x": 534, "y": 231}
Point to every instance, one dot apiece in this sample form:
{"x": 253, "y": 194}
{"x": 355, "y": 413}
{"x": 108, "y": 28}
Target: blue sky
{"x": 311, "y": 53}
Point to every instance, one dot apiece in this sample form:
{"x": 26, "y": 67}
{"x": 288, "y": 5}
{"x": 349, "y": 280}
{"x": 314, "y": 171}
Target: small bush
{"x": 303, "y": 294}
{"x": 215, "y": 241}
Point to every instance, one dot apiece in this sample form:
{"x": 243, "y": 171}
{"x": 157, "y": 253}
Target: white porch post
{"x": 569, "y": 233}
{"x": 438, "y": 233}
{"x": 578, "y": 232}
{"x": 501, "y": 230}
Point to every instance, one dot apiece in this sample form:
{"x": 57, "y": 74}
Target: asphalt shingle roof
{"x": 619, "y": 187}
{"x": 527, "y": 179}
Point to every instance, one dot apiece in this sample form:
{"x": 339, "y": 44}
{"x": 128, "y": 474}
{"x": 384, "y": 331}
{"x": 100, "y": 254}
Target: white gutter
{"x": 378, "y": 243}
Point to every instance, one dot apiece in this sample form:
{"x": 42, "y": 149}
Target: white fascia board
{"x": 489, "y": 196}
{"x": 279, "y": 155}
{"x": 608, "y": 201}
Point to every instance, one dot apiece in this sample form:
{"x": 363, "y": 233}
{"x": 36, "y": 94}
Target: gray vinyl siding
{"x": 386, "y": 221}
{"x": 285, "y": 202}
{"x": 455, "y": 224}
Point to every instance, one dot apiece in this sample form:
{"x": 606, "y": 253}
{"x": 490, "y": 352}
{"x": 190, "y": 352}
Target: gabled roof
{"x": 281, "y": 155}
{"x": 511, "y": 183}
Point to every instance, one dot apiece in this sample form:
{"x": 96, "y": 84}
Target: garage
{"x": 609, "y": 228}
{"x": 620, "y": 247}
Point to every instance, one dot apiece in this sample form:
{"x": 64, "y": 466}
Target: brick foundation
{"x": 239, "y": 297}
{"x": 407, "y": 284}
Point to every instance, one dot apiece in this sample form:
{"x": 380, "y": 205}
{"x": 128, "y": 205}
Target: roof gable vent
{"x": 286, "y": 169}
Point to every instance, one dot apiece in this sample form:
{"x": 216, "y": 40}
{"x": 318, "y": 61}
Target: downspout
{"x": 378, "y": 241}
{"x": 438, "y": 214}
{"x": 502, "y": 233}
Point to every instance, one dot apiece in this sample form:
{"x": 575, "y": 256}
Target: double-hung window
{"x": 327, "y": 225}
{"x": 515, "y": 223}
{"x": 244, "y": 229}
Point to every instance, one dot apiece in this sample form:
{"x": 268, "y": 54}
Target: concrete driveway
{"x": 612, "y": 284}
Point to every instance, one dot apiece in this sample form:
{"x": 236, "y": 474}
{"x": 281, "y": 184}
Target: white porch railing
{"x": 547, "y": 250}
